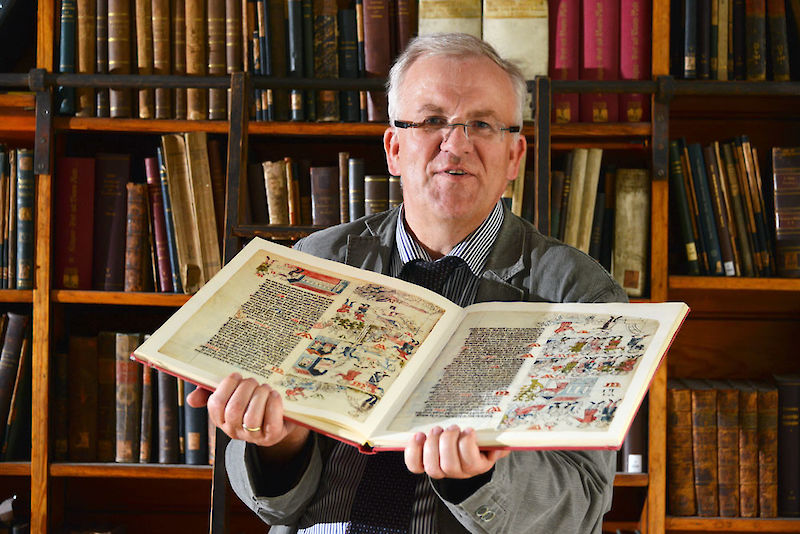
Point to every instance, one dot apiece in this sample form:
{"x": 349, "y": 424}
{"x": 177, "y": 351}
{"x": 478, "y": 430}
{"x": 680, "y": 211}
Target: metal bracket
{"x": 44, "y": 121}
{"x": 660, "y": 121}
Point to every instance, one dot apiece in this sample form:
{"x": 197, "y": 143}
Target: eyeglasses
{"x": 473, "y": 130}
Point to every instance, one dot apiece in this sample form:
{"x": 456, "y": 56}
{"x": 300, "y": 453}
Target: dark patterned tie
{"x": 385, "y": 496}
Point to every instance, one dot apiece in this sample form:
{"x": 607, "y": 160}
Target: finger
{"x": 473, "y": 461}
{"x": 273, "y": 415}
{"x": 449, "y": 456}
{"x": 218, "y": 400}
{"x": 430, "y": 453}
{"x": 237, "y": 405}
{"x": 413, "y": 453}
{"x": 198, "y": 398}
{"x": 253, "y": 417}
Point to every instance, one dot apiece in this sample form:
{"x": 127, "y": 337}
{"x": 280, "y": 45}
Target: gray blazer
{"x": 529, "y": 491}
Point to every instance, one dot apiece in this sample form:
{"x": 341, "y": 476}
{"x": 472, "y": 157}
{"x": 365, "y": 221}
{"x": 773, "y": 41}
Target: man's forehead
{"x": 432, "y": 108}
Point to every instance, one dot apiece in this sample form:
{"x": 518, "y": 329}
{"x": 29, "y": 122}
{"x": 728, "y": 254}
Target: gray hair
{"x": 455, "y": 45}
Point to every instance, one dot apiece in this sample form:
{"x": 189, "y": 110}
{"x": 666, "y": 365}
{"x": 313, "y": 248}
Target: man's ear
{"x": 516, "y": 153}
{"x": 392, "y": 149}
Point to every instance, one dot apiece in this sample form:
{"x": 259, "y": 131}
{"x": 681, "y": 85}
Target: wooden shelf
{"x": 15, "y": 469}
{"x": 723, "y": 524}
{"x": 631, "y": 480}
{"x": 16, "y": 295}
{"x": 149, "y": 471}
{"x": 18, "y": 126}
{"x": 737, "y": 296}
{"x": 138, "y": 126}
{"x": 68, "y": 296}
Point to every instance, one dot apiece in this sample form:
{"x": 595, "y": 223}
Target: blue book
{"x": 65, "y": 96}
{"x": 25, "y": 218}
{"x": 708, "y": 227}
{"x": 168, "y": 223}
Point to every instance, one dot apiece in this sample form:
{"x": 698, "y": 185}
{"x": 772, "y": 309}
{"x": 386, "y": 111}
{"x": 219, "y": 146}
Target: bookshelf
{"x": 729, "y": 316}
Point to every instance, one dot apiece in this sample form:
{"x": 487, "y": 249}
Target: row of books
{"x": 294, "y": 192}
{"x": 109, "y": 408}
{"x": 15, "y": 386}
{"x": 115, "y": 234}
{"x": 726, "y": 225}
{"x": 17, "y": 217}
{"x": 732, "y": 447}
{"x": 751, "y": 40}
{"x": 605, "y": 212}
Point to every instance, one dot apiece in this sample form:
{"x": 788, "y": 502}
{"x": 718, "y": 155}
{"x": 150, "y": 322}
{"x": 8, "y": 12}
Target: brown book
{"x": 406, "y": 23}
{"x": 216, "y": 163}
{"x": 680, "y": 466}
{"x": 9, "y": 362}
{"x": 178, "y": 27}
{"x": 146, "y": 425}
{"x": 196, "y": 64}
{"x": 129, "y": 399}
{"x": 377, "y": 54}
{"x": 326, "y": 56}
{"x": 101, "y": 56}
{"x": 59, "y": 411}
{"x": 376, "y": 193}
{"x": 767, "y": 449}
{"x": 106, "y": 396}
{"x": 86, "y": 53}
{"x": 110, "y": 208}
{"x": 119, "y": 54}
{"x": 720, "y": 214}
{"x": 756, "y": 40}
{"x": 788, "y": 445}
{"x": 159, "y": 230}
{"x": 748, "y": 450}
{"x": 162, "y": 55}
{"x": 135, "y": 236}
{"x": 82, "y": 385}
{"x": 778, "y": 40}
{"x": 786, "y": 195}
{"x": 202, "y": 202}
{"x": 324, "y": 196}
{"x": 144, "y": 55}
{"x": 277, "y": 200}
{"x": 395, "y": 191}
{"x": 74, "y": 222}
{"x": 234, "y": 44}
{"x": 344, "y": 188}
{"x": 217, "y": 97}
{"x": 704, "y": 447}
{"x": 168, "y": 452}
{"x": 292, "y": 190}
{"x": 728, "y": 447}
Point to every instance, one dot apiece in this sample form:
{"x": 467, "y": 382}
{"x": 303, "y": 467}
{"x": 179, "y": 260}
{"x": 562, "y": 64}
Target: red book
{"x": 110, "y": 210}
{"x": 600, "y": 58}
{"x": 634, "y": 57}
{"x": 74, "y": 223}
{"x": 564, "y": 55}
{"x": 156, "y": 199}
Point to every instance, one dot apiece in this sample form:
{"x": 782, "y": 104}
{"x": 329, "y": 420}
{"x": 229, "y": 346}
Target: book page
{"x": 331, "y": 344}
{"x": 541, "y": 375}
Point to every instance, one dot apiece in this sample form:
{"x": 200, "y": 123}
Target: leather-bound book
{"x": 144, "y": 55}
{"x": 738, "y": 39}
{"x": 292, "y": 190}
{"x": 196, "y": 432}
{"x": 277, "y": 194}
{"x": 348, "y": 63}
{"x": 234, "y": 51}
{"x": 147, "y": 425}
{"x": 703, "y": 39}
{"x": 178, "y": 30}
{"x": 564, "y": 50}
{"x": 463, "y": 16}
{"x": 106, "y": 396}
{"x": 377, "y": 54}
{"x": 755, "y": 34}
{"x": 65, "y": 96}
{"x": 786, "y": 197}
{"x": 767, "y": 449}
{"x": 129, "y": 399}
{"x": 735, "y": 199}
{"x": 788, "y": 445}
{"x": 9, "y": 361}
{"x": 102, "y": 99}
{"x": 202, "y": 203}
{"x": 748, "y": 450}
{"x": 728, "y": 447}
{"x": 278, "y": 63}
{"x": 196, "y": 64}
{"x": 395, "y": 191}
{"x": 344, "y": 188}
{"x": 155, "y": 198}
{"x": 719, "y": 213}
{"x": 324, "y": 196}
{"x": 135, "y": 235}
{"x": 704, "y": 447}
{"x": 59, "y": 411}
{"x": 680, "y": 465}
{"x": 778, "y": 40}
{"x": 74, "y": 223}
{"x": 168, "y": 451}
{"x": 355, "y": 172}
{"x": 217, "y": 167}
{"x": 376, "y": 193}
{"x": 326, "y": 57}
{"x": 169, "y": 223}
{"x": 406, "y": 23}
{"x": 634, "y": 59}
{"x": 16, "y": 444}
{"x": 162, "y": 55}
{"x": 600, "y": 59}
{"x": 25, "y": 211}
{"x": 216, "y": 61}
{"x": 110, "y": 207}
{"x": 119, "y": 54}
{"x": 85, "y": 104}
{"x": 82, "y": 387}
{"x": 308, "y": 10}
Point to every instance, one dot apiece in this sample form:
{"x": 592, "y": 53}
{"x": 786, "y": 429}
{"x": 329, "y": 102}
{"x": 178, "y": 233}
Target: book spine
{"x": 74, "y": 215}
{"x": 690, "y": 39}
{"x": 749, "y": 207}
{"x": 119, "y": 54}
{"x": 66, "y": 55}
{"x": 129, "y": 399}
{"x": 631, "y": 230}
{"x": 106, "y": 396}
{"x": 748, "y": 452}
{"x": 739, "y": 215}
{"x": 704, "y": 39}
{"x": 738, "y": 39}
{"x": 112, "y": 171}
{"x": 703, "y": 195}
{"x": 292, "y": 190}
{"x": 156, "y": 199}
{"x": 216, "y": 165}
{"x": 134, "y": 237}
{"x": 786, "y": 198}
{"x": 680, "y": 466}
{"x": 277, "y": 201}
{"x": 348, "y": 63}
{"x": 727, "y": 206}
{"x": 308, "y": 12}
{"x": 788, "y": 446}
{"x": 678, "y": 192}
{"x": 85, "y": 105}
{"x": 600, "y": 59}
{"x": 178, "y": 29}
{"x": 16, "y": 444}
{"x": 704, "y": 451}
{"x": 376, "y": 193}
{"x": 294, "y": 50}
{"x": 635, "y": 39}
{"x": 9, "y": 361}
{"x": 778, "y": 42}
{"x": 59, "y": 411}
{"x": 82, "y": 383}
{"x": 728, "y": 451}
{"x": 196, "y": 420}
{"x": 355, "y": 171}
{"x": 144, "y": 55}
{"x": 718, "y": 212}
{"x": 162, "y": 55}
{"x": 234, "y": 51}
{"x": 406, "y": 23}
{"x": 196, "y": 64}
{"x": 324, "y": 196}
{"x": 168, "y": 452}
{"x": 26, "y": 227}
{"x": 258, "y": 198}
{"x": 755, "y": 40}
{"x": 395, "y": 192}
{"x": 11, "y": 247}
{"x": 768, "y": 452}
{"x": 278, "y": 57}
{"x": 377, "y": 54}
{"x": 203, "y": 203}
{"x": 169, "y": 227}
{"x": 564, "y": 55}
{"x": 344, "y": 188}
{"x": 326, "y": 57}
{"x": 102, "y": 100}
{"x": 216, "y": 61}
{"x": 751, "y": 174}
{"x": 146, "y": 425}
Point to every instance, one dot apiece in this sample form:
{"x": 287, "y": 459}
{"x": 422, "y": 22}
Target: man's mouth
{"x": 456, "y": 172}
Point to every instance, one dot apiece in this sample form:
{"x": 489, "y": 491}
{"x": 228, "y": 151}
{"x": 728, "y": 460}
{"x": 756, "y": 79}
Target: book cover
{"x": 129, "y": 399}
{"x": 216, "y": 57}
{"x": 704, "y": 447}
{"x": 564, "y": 50}
{"x": 85, "y": 103}
{"x": 324, "y": 196}
{"x": 135, "y": 236}
{"x": 65, "y": 96}
{"x": 631, "y": 230}
{"x": 112, "y": 172}
{"x": 600, "y": 59}
{"x": 786, "y": 197}
{"x": 420, "y": 340}
{"x": 25, "y": 215}
{"x": 355, "y": 175}
{"x": 196, "y": 54}
{"x": 577, "y": 189}
{"x": 462, "y": 16}
{"x": 202, "y": 203}
{"x": 119, "y": 54}
{"x": 74, "y": 223}
{"x": 634, "y": 57}
{"x": 102, "y": 98}
{"x": 277, "y": 192}
{"x": 144, "y": 55}
{"x": 588, "y": 198}
{"x": 162, "y": 55}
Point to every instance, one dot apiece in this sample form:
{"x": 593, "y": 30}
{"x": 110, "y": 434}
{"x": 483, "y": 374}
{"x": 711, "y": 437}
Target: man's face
{"x": 449, "y": 179}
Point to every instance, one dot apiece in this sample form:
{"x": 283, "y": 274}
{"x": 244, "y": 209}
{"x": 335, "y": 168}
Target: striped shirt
{"x": 342, "y": 473}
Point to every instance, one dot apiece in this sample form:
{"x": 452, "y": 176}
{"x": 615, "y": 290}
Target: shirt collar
{"x": 473, "y": 249}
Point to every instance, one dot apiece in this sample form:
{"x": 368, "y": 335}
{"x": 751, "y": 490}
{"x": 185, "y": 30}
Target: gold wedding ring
{"x": 251, "y": 428}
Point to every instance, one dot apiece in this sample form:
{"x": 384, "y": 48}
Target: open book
{"x": 370, "y": 359}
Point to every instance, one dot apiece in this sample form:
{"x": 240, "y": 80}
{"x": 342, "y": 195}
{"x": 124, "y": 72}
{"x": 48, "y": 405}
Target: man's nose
{"x": 456, "y": 136}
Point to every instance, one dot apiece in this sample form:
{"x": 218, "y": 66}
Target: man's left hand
{"x": 449, "y": 453}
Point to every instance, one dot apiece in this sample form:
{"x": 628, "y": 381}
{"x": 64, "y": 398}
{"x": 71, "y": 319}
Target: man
{"x": 455, "y": 112}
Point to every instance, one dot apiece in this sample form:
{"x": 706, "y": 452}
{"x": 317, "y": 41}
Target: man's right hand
{"x": 250, "y": 412}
